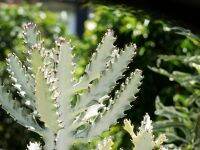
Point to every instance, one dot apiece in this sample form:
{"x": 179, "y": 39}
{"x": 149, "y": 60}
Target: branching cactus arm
{"x": 49, "y": 139}
{"x": 98, "y": 62}
{"x": 45, "y": 104}
{"x": 31, "y": 35}
{"x": 108, "y": 79}
{"x": 64, "y": 84}
{"x": 18, "y": 113}
{"x": 121, "y": 102}
{"x": 23, "y": 81}
{"x": 34, "y": 45}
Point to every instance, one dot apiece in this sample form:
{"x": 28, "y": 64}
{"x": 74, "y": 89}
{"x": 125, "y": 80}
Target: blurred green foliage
{"x": 181, "y": 121}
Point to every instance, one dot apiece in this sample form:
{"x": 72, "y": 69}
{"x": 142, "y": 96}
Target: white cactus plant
{"x": 47, "y": 88}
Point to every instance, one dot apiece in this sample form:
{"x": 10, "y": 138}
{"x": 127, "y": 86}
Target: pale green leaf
{"x": 36, "y": 61}
{"x": 23, "y": 81}
{"x": 65, "y": 80}
{"x": 64, "y": 87}
{"x": 34, "y": 45}
{"x": 129, "y": 128}
{"x": 31, "y": 34}
{"x": 186, "y": 80}
{"x": 45, "y": 104}
{"x": 98, "y": 61}
{"x": 49, "y": 139}
{"x": 17, "y": 113}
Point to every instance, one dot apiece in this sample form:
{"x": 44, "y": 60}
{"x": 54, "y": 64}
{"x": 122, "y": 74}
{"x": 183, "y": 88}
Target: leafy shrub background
{"x": 181, "y": 122}
{"x": 153, "y": 37}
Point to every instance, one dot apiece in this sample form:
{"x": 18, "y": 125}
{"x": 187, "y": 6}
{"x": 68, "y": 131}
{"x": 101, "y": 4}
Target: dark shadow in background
{"x": 185, "y": 13}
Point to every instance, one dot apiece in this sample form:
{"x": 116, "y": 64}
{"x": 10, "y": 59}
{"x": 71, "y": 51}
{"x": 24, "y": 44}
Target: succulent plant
{"x": 59, "y": 108}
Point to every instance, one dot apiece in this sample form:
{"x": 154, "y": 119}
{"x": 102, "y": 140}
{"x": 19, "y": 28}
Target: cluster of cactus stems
{"x": 59, "y": 108}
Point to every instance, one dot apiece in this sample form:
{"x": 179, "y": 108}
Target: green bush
{"x": 181, "y": 121}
